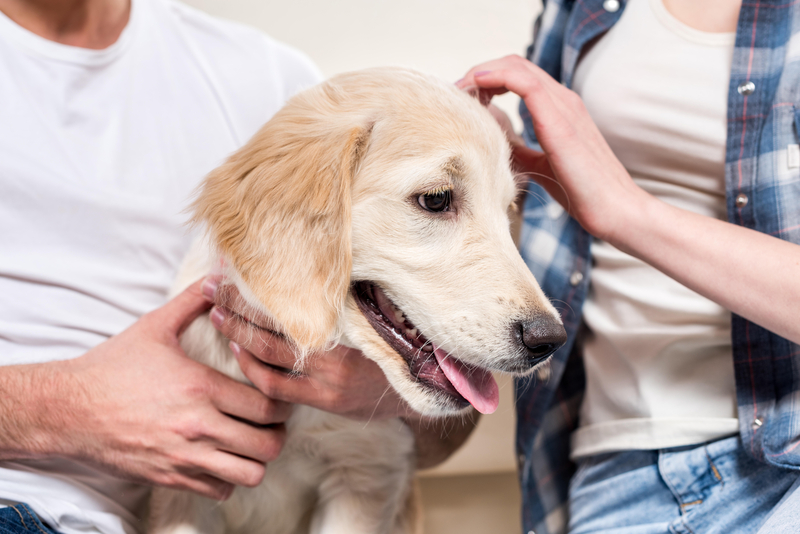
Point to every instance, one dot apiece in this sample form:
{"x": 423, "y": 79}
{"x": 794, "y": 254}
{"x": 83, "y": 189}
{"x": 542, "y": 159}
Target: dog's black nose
{"x": 541, "y": 337}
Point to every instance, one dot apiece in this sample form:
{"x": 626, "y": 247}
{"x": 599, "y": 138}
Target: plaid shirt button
{"x": 612, "y": 6}
{"x": 746, "y": 88}
{"x": 741, "y": 200}
{"x": 576, "y": 278}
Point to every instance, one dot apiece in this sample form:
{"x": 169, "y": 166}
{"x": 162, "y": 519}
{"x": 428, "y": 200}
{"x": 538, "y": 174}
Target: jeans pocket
{"x": 20, "y": 519}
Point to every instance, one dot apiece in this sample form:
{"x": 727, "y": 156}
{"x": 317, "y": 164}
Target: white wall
{"x": 441, "y": 37}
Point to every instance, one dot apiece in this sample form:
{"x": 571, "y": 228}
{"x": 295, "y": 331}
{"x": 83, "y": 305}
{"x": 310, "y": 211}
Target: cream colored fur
{"x": 324, "y": 195}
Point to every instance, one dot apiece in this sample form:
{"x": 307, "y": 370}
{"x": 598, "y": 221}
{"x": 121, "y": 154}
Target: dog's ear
{"x": 279, "y": 211}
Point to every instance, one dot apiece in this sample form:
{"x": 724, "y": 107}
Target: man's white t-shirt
{"x": 100, "y": 152}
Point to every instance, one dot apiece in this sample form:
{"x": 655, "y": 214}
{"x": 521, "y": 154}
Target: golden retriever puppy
{"x": 371, "y": 211}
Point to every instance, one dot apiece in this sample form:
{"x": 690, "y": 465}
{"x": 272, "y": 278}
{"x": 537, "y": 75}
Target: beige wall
{"x": 442, "y": 37}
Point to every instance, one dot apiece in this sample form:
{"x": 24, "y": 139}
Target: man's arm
{"x": 437, "y": 439}
{"x": 25, "y": 420}
{"x": 136, "y": 406}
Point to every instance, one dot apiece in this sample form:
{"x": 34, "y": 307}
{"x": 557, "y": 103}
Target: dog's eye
{"x": 436, "y": 201}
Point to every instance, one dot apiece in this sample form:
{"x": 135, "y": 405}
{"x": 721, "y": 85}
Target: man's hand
{"x": 340, "y": 381}
{"x": 138, "y": 407}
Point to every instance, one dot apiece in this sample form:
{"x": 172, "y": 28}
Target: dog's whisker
{"x": 564, "y": 302}
{"x": 551, "y": 179}
{"x": 385, "y": 391}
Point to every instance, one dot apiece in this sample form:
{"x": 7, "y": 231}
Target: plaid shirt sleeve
{"x": 763, "y": 193}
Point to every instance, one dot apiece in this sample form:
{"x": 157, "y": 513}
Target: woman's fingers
{"x": 548, "y": 109}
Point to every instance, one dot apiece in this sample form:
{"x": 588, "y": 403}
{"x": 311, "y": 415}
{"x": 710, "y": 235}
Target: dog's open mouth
{"x": 428, "y": 364}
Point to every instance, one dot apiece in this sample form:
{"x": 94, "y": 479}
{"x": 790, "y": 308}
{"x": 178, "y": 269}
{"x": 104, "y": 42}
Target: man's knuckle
{"x": 265, "y": 382}
{"x": 265, "y": 410}
{"x": 192, "y": 428}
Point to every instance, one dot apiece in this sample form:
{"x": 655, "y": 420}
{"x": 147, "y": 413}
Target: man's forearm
{"x": 26, "y": 420}
{"x": 437, "y": 439}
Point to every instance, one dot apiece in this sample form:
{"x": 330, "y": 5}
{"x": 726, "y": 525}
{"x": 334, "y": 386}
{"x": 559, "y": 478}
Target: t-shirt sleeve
{"x": 298, "y": 71}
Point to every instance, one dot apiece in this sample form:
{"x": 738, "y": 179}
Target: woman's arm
{"x": 750, "y": 273}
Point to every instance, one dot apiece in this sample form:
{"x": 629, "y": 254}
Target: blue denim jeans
{"x": 704, "y": 489}
{"x": 19, "y": 519}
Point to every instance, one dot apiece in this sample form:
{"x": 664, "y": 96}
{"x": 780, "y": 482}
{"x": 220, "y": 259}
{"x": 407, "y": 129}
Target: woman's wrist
{"x": 632, "y": 211}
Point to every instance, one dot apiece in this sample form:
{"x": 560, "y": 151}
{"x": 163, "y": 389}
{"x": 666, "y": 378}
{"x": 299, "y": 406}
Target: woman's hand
{"x": 749, "y": 273}
{"x": 577, "y": 168}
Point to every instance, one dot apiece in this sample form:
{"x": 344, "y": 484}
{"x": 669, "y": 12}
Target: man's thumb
{"x": 177, "y": 314}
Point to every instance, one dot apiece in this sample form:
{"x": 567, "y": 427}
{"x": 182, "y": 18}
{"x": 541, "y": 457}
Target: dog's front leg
{"x": 368, "y": 485}
{"x": 357, "y": 513}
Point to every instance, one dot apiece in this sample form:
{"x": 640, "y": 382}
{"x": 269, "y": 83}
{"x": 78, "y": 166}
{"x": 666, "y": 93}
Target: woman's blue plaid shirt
{"x": 762, "y": 174}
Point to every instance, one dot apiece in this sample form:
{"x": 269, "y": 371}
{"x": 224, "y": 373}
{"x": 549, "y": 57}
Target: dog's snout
{"x": 541, "y": 337}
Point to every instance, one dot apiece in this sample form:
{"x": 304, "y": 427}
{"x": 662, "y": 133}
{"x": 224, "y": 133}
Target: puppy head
{"x": 279, "y": 214}
{"x": 441, "y": 297}
{"x": 375, "y": 205}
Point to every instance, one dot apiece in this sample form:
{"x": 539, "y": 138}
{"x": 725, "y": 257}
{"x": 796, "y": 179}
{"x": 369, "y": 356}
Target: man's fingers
{"x": 272, "y": 382}
{"x": 267, "y": 345}
{"x": 205, "y": 485}
{"x": 261, "y": 445}
{"x": 177, "y": 314}
{"x": 249, "y": 404}
{"x": 229, "y": 468}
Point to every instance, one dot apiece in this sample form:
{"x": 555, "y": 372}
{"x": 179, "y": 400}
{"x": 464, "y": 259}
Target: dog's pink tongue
{"x": 473, "y": 383}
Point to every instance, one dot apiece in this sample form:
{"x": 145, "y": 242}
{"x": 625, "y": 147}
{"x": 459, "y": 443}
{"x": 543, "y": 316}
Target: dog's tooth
{"x": 412, "y": 333}
{"x": 399, "y": 316}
